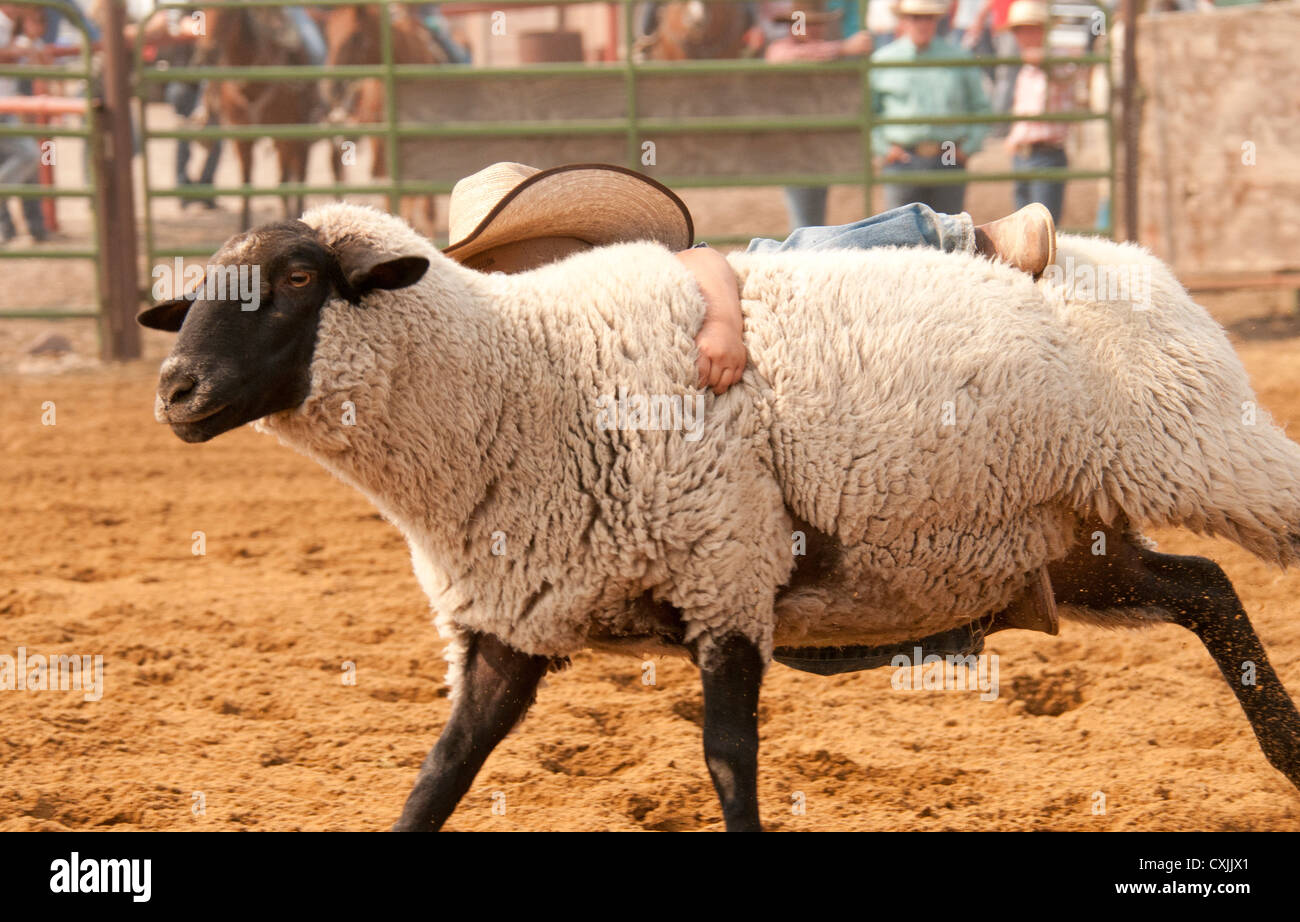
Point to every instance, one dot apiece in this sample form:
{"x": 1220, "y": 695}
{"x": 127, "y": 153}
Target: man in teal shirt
{"x": 909, "y": 92}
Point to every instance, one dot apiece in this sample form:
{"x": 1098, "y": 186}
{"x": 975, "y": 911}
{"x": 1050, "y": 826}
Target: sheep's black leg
{"x": 1196, "y": 594}
{"x": 731, "y": 686}
{"x": 496, "y": 689}
{"x": 1200, "y": 597}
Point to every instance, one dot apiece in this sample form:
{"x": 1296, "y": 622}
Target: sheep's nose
{"x": 176, "y": 385}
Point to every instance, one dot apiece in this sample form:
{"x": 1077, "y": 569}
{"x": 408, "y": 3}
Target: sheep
{"x": 937, "y": 426}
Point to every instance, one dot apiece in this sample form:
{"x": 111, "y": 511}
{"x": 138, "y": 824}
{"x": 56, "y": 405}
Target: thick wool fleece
{"x": 942, "y": 419}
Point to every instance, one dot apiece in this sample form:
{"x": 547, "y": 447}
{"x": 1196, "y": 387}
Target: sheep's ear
{"x": 169, "y": 315}
{"x": 388, "y": 275}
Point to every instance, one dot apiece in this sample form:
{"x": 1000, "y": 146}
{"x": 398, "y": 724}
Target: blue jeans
{"x": 184, "y": 98}
{"x": 1051, "y": 194}
{"x": 909, "y": 226}
{"x": 948, "y": 199}
{"x": 20, "y": 159}
{"x": 806, "y": 205}
{"x": 313, "y": 42}
{"x": 1004, "y": 79}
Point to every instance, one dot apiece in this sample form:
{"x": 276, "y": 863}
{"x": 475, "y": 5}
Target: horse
{"x": 697, "y": 30}
{"x": 260, "y": 37}
{"x": 352, "y": 35}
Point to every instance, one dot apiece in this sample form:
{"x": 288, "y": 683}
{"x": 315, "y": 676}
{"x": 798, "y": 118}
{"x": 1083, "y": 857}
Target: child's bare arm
{"x": 722, "y": 349}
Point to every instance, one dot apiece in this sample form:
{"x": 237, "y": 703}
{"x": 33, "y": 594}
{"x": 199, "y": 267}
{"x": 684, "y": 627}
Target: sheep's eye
{"x": 300, "y": 278}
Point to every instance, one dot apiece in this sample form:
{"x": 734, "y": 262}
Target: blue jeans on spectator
{"x": 20, "y": 158}
{"x": 1051, "y": 194}
{"x": 912, "y": 225}
{"x": 184, "y": 98}
{"x": 949, "y": 199}
{"x": 313, "y": 42}
{"x": 74, "y": 12}
{"x": 806, "y": 206}
{"x": 1004, "y": 79}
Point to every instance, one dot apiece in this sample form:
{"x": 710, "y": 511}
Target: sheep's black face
{"x": 247, "y": 333}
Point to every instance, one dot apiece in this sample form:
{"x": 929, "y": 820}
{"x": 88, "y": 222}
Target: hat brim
{"x": 597, "y": 202}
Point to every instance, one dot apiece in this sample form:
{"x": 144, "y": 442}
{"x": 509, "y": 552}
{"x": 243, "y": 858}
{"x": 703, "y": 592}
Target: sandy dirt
{"x": 224, "y": 672}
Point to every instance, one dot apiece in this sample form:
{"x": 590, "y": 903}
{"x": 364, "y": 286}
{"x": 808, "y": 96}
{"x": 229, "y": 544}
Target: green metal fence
{"x": 629, "y": 125}
{"x": 87, "y": 132}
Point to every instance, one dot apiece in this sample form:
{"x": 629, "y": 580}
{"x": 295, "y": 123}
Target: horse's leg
{"x": 430, "y": 210}
{"x": 244, "y": 149}
{"x": 370, "y": 111}
{"x": 1195, "y": 593}
{"x": 495, "y": 690}
{"x": 336, "y": 162}
{"x": 731, "y": 685}
{"x": 288, "y": 154}
{"x": 298, "y": 151}
{"x": 286, "y": 173}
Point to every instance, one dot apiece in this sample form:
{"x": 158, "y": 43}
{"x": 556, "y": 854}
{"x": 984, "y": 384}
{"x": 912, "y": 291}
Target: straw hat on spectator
{"x": 922, "y": 7}
{"x": 523, "y": 210}
{"x": 1027, "y": 13}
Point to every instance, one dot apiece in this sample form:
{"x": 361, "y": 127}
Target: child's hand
{"x": 722, "y": 355}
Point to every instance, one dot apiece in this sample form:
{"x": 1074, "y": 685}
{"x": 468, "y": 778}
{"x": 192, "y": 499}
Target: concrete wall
{"x": 1219, "y": 184}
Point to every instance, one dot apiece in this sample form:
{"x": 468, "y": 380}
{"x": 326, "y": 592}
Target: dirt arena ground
{"x": 224, "y": 672}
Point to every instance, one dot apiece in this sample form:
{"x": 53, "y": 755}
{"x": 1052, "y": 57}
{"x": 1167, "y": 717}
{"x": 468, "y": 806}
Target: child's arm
{"x": 722, "y": 350}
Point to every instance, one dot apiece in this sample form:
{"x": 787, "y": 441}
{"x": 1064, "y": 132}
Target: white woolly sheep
{"x": 938, "y": 426}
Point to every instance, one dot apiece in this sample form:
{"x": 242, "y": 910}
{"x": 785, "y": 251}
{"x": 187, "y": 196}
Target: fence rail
{"x": 639, "y": 84}
{"x": 632, "y": 124}
{"x": 86, "y": 107}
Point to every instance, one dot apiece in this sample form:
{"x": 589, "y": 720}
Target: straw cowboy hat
{"x": 922, "y": 7}
{"x": 1027, "y": 13}
{"x": 516, "y": 205}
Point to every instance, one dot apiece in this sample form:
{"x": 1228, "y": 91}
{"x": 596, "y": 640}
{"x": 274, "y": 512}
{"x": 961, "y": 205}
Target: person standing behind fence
{"x": 992, "y": 18}
{"x": 173, "y": 29}
{"x": 908, "y": 92}
{"x": 20, "y": 156}
{"x": 1038, "y": 91}
{"x": 814, "y": 35}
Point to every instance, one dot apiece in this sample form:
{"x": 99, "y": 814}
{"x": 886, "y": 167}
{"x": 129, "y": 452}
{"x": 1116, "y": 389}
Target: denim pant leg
{"x": 20, "y": 164}
{"x": 1004, "y": 80}
{"x": 313, "y": 41}
{"x": 806, "y": 206}
{"x": 910, "y": 225}
{"x": 208, "y": 175}
{"x": 1051, "y": 194}
{"x": 184, "y": 99}
{"x": 949, "y": 198}
{"x": 946, "y": 199}
{"x": 900, "y": 194}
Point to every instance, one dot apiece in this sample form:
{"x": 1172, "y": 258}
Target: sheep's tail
{"x": 1190, "y": 444}
{"x": 1237, "y": 482}
{"x": 1257, "y": 505}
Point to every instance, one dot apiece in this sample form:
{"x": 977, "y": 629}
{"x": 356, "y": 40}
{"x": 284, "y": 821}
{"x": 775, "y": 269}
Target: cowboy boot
{"x": 1025, "y": 239}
